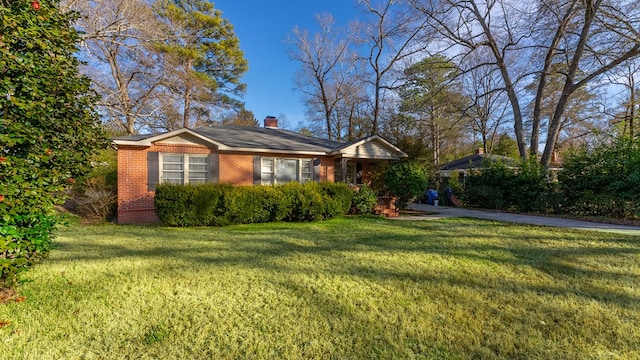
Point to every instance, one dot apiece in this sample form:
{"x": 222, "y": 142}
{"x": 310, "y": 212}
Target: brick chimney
{"x": 271, "y": 122}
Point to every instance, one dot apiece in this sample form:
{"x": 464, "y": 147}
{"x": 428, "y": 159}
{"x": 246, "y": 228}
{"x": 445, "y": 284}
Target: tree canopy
{"x": 160, "y": 65}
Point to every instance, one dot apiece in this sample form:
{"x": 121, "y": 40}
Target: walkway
{"x": 446, "y": 212}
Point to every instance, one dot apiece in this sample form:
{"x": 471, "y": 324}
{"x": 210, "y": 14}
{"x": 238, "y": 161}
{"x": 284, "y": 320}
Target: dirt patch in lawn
{"x": 10, "y": 295}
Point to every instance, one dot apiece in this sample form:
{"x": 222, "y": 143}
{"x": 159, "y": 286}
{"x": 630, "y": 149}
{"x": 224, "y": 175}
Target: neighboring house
{"x": 239, "y": 156}
{"x": 465, "y": 165}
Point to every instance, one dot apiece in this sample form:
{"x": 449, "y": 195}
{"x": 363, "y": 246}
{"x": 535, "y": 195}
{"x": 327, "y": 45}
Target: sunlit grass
{"x": 347, "y": 288}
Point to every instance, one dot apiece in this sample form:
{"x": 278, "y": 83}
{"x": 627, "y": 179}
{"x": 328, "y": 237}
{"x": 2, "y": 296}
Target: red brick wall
{"x": 327, "y": 169}
{"x": 236, "y": 169}
{"x": 386, "y": 207}
{"x": 135, "y": 201}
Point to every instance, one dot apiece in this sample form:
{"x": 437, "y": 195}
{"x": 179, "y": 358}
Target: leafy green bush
{"x": 257, "y": 204}
{"x": 223, "y": 204}
{"x": 499, "y": 186}
{"x": 339, "y": 199}
{"x": 364, "y": 200}
{"x": 304, "y": 201}
{"x": 406, "y": 181}
{"x": 47, "y": 132}
{"x": 603, "y": 180}
{"x": 192, "y": 205}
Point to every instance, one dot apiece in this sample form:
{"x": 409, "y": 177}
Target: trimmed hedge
{"x": 603, "y": 180}
{"x": 499, "y": 186}
{"x": 224, "y": 204}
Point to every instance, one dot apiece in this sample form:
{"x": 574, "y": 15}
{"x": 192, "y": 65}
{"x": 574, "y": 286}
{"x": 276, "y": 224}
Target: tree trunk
{"x": 376, "y": 107}
{"x": 569, "y": 86}
{"x": 327, "y": 109}
{"x": 632, "y": 105}
{"x": 187, "y": 106}
{"x": 508, "y": 83}
{"x": 542, "y": 82}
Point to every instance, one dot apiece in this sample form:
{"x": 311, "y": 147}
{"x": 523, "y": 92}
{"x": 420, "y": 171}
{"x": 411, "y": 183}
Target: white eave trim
{"x": 343, "y": 150}
{"x": 150, "y": 140}
{"x": 276, "y": 151}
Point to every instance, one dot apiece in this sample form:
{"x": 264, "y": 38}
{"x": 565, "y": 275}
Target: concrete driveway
{"x": 445, "y": 212}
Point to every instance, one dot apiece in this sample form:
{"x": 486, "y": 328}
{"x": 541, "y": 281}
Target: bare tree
{"x": 390, "y": 35}
{"x": 580, "y": 118}
{"x": 116, "y": 39}
{"x": 626, "y": 77}
{"x": 590, "y": 37}
{"x": 323, "y": 75}
{"x": 489, "y": 105}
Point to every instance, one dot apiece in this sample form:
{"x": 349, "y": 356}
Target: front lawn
{"x": 347, "y": 288}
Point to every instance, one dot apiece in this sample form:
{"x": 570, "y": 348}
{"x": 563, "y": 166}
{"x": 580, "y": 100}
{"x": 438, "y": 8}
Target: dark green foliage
{"x": 506, "y": 146}
{"x": 193, "y": 205}
{"x": 223, "y": 204}
{"x": 364, "y": 200}
{"x": 486, "y": 187}
{"x": 340, "y": 195}
{"x": 603, "y": 181}
{"x": 500, "y": 186}
{"x": 304, "y": 202}
{"x": 406, "y": 181}
{"x": 248, "y": 205}
{"x": 47, "y": 131}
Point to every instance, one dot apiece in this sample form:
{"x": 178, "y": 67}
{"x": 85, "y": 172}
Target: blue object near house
{"x": 431, "y": 196}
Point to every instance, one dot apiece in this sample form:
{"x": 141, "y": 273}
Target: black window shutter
{"x": 257, "y": 170}
{"x": 153, "y": 170}
{"x": 316, "y": 170}
{"x": 214, "y": 168}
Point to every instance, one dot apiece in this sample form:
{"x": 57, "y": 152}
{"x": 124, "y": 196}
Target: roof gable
{"x": 180, "y": 136}
{"x": 373, "y": 147}
{"x": 185, "y": 139}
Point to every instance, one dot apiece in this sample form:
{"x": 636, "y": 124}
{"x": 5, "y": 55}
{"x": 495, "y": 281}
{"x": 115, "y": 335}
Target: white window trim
{"x": 274, "y": 174}
{"x": 185, "y": 165}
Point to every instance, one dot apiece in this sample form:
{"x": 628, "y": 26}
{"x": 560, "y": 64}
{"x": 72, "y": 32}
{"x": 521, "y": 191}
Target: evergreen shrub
{"x": 406, "y": 181}
{"x": 522, "y": 188}
{"x": 224, "y": 204}
{"x": 364, "y": 200}
{"x": 603, "y": 180}
{"x": 48, "y": 128}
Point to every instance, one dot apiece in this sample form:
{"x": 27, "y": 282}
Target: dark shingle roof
{"x": 266, "y": 138}
{"x": 136, "y": 137}
{"x": 271, "y": 140}
{"x": 475, "y": 161}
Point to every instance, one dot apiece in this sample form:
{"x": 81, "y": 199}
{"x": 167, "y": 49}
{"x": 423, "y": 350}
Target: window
{"x": 267, "y": 171}
{"x": 184, "y": 169}
{"x": 282, "y": 170}
{"x": 352, "y": 174}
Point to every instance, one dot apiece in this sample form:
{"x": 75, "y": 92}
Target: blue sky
{"x": 262, "y": 27}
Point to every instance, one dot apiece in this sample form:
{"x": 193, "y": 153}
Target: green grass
{"x": 348, "y": 288}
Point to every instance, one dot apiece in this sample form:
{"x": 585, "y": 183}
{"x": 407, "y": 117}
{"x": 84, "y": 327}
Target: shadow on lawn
{"x": 478, "y": 242}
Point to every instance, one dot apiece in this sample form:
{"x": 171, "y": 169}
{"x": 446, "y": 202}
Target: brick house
{"x": 236, "y": 155}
